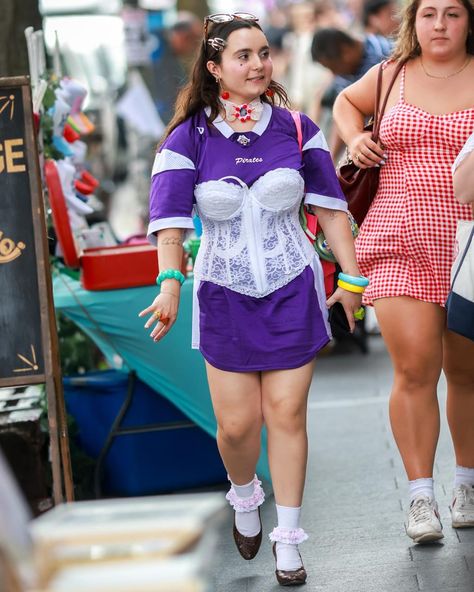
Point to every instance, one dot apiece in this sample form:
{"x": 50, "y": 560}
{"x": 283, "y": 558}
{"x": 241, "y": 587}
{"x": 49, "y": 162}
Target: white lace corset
{"x": 252, "y": 239}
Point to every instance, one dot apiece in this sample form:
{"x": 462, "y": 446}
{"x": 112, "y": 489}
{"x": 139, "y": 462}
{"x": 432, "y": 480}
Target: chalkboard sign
{"x": 28, "y": 338}
{"x": 21, "y": 344}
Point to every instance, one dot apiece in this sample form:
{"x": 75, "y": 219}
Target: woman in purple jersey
{"x": 260, "y": 312}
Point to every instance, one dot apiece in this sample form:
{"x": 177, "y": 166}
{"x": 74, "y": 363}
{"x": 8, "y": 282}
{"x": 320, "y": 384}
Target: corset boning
{"x": 252, "y": 240}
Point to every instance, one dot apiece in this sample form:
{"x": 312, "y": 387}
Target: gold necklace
{"x": 464, "y": 66}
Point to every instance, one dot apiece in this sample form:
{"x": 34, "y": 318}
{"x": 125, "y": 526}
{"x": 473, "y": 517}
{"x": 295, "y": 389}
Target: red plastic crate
{"x": 104, "y": 268}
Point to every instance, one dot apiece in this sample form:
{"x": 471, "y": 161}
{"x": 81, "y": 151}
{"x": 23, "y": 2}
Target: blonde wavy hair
{"x": 407, "y": 45}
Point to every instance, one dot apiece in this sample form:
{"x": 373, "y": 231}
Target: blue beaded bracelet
{"x": 170, "y": 274}
{"x": 360, "y": 280}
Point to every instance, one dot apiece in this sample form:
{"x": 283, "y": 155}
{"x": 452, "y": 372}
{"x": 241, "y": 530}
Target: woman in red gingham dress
{"x": 406, "y": 242}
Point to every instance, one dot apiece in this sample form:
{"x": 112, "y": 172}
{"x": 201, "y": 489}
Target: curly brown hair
{"x": 407, "y": 45}
{"x": 202, "y": 91}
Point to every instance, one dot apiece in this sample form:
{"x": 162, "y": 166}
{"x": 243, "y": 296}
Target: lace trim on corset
{"x": 254, "y": 293}
{"x": 225, "y": 259}
{"x": 252, "y": 240}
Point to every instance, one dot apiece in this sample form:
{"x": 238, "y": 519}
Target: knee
{"x": 285, "y": 415}
{"x": 459, "y": 376}
{"x": 234, "y": 431}
{"x": 413, "y": 376}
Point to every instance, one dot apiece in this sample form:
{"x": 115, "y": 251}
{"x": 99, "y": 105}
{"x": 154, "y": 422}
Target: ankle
{"x": 289, "y": 536}
{"x": 246, "y": 503}
{"x": 288, "y": 557}
{"x": 464, "y": 476}
{"x": 421, "y": 487}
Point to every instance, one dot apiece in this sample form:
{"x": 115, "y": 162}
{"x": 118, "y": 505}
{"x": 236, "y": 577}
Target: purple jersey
{"x": 285, "y": 328}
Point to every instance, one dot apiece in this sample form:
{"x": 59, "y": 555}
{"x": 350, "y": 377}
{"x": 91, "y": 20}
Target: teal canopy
{"x": 170, "y": 366}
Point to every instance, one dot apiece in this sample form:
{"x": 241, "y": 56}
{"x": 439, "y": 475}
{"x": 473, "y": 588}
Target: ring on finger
{"x": 157, "y": 315}
{"x": 357, "y": 157}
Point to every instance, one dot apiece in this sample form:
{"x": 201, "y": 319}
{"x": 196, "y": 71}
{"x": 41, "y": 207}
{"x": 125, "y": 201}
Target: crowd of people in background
{"x": 318, "y": 48}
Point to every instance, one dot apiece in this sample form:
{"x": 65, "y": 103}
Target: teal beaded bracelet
{"x": 360, "y": 280}
{"x": 170, "y": 274}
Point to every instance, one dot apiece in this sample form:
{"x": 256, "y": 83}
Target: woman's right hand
{"x": 366, "y": 153}
{"x": 164, "y": 311}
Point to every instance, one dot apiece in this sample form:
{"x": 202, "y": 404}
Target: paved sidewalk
{"x": 356, "y": 497}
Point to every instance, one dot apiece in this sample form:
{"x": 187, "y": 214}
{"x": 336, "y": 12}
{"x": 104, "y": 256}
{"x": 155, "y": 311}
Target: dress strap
{"x": 402, "y": 84}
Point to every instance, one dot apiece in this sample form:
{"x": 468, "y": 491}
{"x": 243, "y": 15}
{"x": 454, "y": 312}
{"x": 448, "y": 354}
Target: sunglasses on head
{"x": 222, "y": 17}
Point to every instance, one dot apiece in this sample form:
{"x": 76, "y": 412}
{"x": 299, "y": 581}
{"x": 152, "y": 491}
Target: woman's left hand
{"x": 163, "y": 310}
{"x": 350, "y": 301}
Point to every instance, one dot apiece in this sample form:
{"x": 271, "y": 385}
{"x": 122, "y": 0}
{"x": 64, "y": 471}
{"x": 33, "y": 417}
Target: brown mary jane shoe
{"x": 248, "y": 546}
{"x": 295, "y": 577}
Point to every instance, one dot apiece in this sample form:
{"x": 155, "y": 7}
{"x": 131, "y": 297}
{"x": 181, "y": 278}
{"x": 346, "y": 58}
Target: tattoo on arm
{"x": 171, "y": 240}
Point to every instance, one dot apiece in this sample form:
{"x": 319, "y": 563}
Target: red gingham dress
{"x": 406, "y": 243}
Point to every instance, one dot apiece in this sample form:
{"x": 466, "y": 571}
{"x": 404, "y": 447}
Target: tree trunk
{"x": 16, "y": 16}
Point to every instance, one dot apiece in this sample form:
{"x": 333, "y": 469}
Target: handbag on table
{"x": 460, "y": 302}
{"x": 360, "y": 185}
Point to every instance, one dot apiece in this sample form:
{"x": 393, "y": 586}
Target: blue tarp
{"x": 170, "y": 367}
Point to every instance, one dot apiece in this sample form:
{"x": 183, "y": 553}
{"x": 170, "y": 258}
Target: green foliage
{"x": 78, "y": 353}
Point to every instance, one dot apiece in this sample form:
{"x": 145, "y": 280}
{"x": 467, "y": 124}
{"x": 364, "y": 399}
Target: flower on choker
{"x": 245, "y": 112}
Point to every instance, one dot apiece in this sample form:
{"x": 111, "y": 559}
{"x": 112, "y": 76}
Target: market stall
{"x": 170, "y": 367}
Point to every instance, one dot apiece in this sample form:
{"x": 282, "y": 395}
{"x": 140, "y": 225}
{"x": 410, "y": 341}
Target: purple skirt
{"x": 283, "y": 330}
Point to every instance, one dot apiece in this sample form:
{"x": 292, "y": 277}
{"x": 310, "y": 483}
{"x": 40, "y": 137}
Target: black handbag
{"x": 360, "y": 185}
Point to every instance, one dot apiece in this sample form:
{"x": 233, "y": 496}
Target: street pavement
{"x": 356, "y": 497}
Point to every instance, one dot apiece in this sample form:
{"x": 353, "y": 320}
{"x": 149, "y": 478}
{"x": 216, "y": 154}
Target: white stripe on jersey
{"x": 167, "y": 160}
{"x": 317, "y": 141}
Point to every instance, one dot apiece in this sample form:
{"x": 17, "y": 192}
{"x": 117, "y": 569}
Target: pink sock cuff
{"x": 289, "y": 536}
{"x": 247, "y": 504}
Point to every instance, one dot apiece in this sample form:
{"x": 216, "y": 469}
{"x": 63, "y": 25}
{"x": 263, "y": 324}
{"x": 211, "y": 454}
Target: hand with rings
{"x": 163, "y": 310}
{"x": 365, "y": 152}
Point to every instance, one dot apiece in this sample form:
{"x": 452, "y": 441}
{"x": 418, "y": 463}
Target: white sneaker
{"x": 462, "y": 507}
{"x": 424, "y": 525}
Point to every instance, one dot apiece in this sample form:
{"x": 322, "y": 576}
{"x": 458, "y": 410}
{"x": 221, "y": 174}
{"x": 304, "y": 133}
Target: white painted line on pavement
{"x": 347, "y": 403}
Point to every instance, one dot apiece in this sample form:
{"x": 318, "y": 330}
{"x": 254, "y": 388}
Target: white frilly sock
{"x": 245, "y": 500}
{"x": 287, "y": 536}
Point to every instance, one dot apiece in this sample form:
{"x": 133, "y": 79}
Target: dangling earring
{"x": 224, "y": 94}
{"x": 269, "y": 92}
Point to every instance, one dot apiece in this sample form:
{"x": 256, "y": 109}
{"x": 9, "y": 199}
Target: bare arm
{"x": 170, "y": 256}
{"x": 352, "y": 106}
{"x": 337, "y": 231}
{"x": 463, "y": 180}
{"x": 335, "y": 144}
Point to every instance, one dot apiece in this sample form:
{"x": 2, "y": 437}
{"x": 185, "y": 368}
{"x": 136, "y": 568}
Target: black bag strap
{"x": 378, "y": 112}
{"x": 468, "y": 244}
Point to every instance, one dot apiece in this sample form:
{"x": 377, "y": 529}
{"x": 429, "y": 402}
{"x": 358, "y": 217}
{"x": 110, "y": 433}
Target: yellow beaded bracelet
{"x": 350, "y": 287}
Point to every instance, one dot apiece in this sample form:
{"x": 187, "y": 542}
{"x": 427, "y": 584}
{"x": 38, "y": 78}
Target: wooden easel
{"x": 29, "y": 351}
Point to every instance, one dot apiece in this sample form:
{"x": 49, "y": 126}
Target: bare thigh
{"x": 413, "y": 333}
{"x": 458, "y": 359}
{"x": 236, "y": 396}
{"x": 285, "y": 392}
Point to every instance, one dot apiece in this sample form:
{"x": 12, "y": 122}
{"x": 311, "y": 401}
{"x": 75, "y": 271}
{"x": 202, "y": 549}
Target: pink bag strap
{"x": 299, "y": 132}
{"x": 311, "y": 220}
